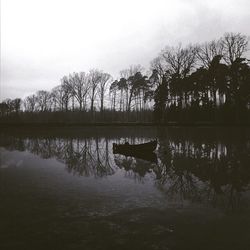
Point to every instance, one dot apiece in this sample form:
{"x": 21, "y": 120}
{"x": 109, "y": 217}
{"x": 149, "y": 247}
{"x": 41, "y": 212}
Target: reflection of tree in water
{"x": 196, "y": 170}
{"x": 134, "y": 167}
{"x": 88, "y": 157}
{"x": 218, "y": 172}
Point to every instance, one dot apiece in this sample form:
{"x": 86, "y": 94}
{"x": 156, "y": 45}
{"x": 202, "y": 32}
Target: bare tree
{"x": 132, "y": 70}
{"x": 234, "y": 45}
{"x": 43, "y": 100}
{"x": 179, "y": 61}
{"x": 102, "y": 87}
{"x": 67, "y": 90}
{"x": 16, "y": 103}
{"x": 3, "y": 108}
{"x": 207, "y": 51}
{"x": 9, "y": 104}
{"x": 57, "y": 97}
{"x": 174, "y": 64}
{"x": 94, "y": 79}
{"x": 112, "y": 93}
{"x": 159, "y": 69}
{"x": 79, "y": 85}
{"x": 30, "y": 103}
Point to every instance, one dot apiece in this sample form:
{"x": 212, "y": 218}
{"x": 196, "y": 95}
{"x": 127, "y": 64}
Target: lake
{"x": 66, "y": 189}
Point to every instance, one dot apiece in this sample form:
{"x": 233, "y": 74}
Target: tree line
{"x": 201, "y": 82}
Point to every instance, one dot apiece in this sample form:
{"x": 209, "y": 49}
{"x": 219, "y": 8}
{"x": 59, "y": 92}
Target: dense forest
{"x": 207, "y": 82}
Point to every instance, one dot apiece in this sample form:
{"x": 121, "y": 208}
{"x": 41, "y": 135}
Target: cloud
{"x": 43, "y": 40}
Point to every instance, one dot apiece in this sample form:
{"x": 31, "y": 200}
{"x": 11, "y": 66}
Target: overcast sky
{"x": 43, "y": 40}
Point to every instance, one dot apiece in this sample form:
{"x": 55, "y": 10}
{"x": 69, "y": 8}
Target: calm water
{"x": 65, "y": 189}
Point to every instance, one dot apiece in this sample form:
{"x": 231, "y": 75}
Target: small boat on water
{"x": 127, "y": 148}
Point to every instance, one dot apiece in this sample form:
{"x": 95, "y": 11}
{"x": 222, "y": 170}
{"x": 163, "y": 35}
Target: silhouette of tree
{"x": 67, "y": 92}
{"x": 113, "y": 93}
{"x": 16, "y": 104}
{"x": 160, "y": 99}
{"x": 123, "y": 87}
{"x": 57, "y": 98}
{"x": 180, "y": 61}
{"x": 94, "y": 79}
{"x": 30, "y": 103}
{"x": 207, "y": 82}
{"x": 79, "y": 87}
{"x": 43, "y": 100}
{"x": 126, "y": 84}
{"x": 234, "y": 45}
{"x": 4, "y": 108}
{"x": 239, "y": 86}
{"x": 138, "y": 85}
{"x": 207, "y": 51}
{"x": 102, "y": 87}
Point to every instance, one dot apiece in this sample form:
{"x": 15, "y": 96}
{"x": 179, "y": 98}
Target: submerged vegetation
{"x": 209, "y": 82}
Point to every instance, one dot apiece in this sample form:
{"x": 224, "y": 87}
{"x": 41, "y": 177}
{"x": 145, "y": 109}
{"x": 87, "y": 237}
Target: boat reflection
{"x": 137, "y": 166}
{"x": 146, "y": 156}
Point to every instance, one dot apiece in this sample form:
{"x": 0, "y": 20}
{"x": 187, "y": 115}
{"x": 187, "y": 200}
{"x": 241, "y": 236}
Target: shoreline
{"x": 120, "y": 124}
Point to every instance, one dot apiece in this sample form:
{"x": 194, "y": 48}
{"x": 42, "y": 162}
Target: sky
{"x": 43, "y": 40}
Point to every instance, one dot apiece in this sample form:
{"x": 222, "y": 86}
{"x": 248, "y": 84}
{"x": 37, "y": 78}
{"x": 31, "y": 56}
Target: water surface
{"x": 65, "y": 189}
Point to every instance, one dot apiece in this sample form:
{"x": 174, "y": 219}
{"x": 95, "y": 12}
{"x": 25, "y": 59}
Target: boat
{"x": 129, "y": 149}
